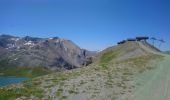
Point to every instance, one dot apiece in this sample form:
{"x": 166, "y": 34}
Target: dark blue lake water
{"x": 11, "y": 80}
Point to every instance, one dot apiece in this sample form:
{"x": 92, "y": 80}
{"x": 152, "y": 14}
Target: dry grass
{"x": 93, "y": 81}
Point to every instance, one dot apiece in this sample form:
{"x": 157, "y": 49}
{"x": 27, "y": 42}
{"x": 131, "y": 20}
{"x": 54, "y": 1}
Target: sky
{"x": 91, "y": 24}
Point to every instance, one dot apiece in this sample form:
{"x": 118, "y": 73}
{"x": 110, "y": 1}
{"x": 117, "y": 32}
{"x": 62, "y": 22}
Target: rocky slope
{"x": 55, "y": 53}
{"x": 110, "y": 77}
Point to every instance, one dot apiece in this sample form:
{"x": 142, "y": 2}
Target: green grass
{"x": 72, "y": 92}
{"x": 25, "y": 72}
{"x": 107, "y": 57}
{"x": 64, "y": 97}
{"x": 13, "y": 93}
{"x": 33, "y": 87}
{"x": 58, "y": 93}
{"x": 30, "y": 87}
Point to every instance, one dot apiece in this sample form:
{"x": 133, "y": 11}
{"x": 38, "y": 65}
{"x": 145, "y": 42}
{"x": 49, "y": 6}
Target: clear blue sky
{"x": 92, "y": 24}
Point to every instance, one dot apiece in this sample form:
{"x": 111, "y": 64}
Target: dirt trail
{"x": 154, "y": 84}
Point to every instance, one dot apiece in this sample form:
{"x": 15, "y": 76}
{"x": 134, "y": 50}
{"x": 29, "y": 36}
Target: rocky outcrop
{"x": 55, "y": 53}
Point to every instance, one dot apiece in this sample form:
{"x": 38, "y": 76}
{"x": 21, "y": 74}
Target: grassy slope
{"x": 120, "y": 51}
{"x": 85, "y": 81}
{"x": 106, "y": 79}
{"x": 25, "y": 72}
{"x": 28, "y": 87}
{"x": 31, "y": 87}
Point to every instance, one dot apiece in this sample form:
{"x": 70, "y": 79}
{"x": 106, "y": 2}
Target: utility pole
{"x": 161, "y": 41}
{"x": 153, "y": 40}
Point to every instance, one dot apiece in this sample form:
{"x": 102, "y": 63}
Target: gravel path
{"x": 155, "y": 84}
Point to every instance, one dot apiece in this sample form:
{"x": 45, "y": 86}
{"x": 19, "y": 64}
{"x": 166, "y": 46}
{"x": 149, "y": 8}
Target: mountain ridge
{"x": 111, "y": 76}
{"x": 129, "y": 49}
{"x": 54, "y": 52}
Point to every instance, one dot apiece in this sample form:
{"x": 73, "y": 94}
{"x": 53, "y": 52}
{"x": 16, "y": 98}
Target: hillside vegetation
{"x": 25, "y": 72}
{"x": 110, "y": 77}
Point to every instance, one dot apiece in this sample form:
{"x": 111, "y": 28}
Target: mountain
{"x": 113, "y": 76}
{"x": 54, "y": 53}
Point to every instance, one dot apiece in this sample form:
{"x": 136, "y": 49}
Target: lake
{"x": 11, "y": 80}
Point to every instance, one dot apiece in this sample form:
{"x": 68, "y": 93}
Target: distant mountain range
{"x": 54, "y": 53}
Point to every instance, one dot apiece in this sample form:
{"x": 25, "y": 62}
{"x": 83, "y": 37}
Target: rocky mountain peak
{"x": 52, "y": 52}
